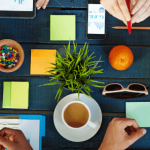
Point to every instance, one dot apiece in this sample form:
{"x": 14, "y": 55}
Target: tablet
{"x": 17, "y": 8}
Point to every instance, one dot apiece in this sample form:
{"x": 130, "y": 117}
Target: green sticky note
{"x": 20, "y": 95}
{"x": 62, "y": 27}
{"x": 140, "y": 111}
{"x": 6, "y": 94}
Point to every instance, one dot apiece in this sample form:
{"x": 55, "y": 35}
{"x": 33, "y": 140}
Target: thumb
{"x": 7, "y": 143}
{"x": 137, "y": 135}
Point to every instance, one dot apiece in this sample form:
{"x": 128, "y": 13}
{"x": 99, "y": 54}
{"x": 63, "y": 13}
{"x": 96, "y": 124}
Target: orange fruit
{"x": 121, "y": 57}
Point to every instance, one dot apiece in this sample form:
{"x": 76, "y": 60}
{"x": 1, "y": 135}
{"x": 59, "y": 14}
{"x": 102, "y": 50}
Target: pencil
{"x": 134, "y": 28}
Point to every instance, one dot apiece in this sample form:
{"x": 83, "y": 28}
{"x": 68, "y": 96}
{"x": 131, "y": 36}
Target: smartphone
{"x": 96, "y": 20}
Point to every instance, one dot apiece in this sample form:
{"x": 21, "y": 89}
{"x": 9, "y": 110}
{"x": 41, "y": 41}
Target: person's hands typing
{"x": 42, "y": 3}
{"x": 118, "y": 9}
{"x": 13, "y": 140}
{"x": 121, "y": 133}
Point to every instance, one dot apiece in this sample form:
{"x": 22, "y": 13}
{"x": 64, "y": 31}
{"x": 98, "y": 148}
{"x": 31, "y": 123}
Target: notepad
{"x": 16, "y": 95}
{"x": 40, "y": 61}
{"x": 140, "y": 111}
{"x": 62, "y": 27}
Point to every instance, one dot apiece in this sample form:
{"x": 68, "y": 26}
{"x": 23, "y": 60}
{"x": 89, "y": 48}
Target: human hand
{"x": 118, "y": 9}
{"x": 42, "y": 3}
{"x": 117, "y": 136}
{"x": 13, "y": 140}
{"x": 141, "y": 11}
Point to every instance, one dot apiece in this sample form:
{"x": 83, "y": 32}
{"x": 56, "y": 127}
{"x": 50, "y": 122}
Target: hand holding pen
{"x": 118, "y": 9}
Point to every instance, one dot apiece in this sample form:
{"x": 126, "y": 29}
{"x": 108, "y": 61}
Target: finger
{"x": 39, "y": 4}
{"x": 42, "y": 3}
{"x": 137, "y": 135}
{"x": 132, "y": 130}
{"x": 133, "y": 2}
{"x": 7, "y": 132}
{"x": 118, "y": 11}
{"x": 124, "y": 9}
{"x": 111, "y": 10}
{"x": 45, "y": 4}
{"x": 130, "y": 122}
{"x": 140, "y": 12}
{"x": 6, "y": 143}
{"x": 138, "y": 5}
{"x": 143, "y": 16}
{"x": 11, "y": 138}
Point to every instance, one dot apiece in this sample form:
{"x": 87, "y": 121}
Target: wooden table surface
{"x": 35, "y": 34}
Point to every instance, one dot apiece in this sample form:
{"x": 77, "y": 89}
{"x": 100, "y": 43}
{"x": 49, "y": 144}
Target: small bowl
{"x": 15, "y": 45}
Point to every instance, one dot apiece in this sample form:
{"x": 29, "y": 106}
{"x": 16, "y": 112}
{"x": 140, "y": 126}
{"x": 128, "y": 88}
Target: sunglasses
{"x": 116, "y": 90}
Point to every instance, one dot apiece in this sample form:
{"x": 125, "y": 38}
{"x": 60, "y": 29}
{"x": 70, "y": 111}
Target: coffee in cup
{"x": 76, "y": 115}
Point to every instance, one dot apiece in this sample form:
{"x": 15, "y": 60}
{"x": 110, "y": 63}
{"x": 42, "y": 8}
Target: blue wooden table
{"x": 34, "y": 34}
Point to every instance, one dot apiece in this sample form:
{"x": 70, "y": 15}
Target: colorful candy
{"x": 8, "y": 57}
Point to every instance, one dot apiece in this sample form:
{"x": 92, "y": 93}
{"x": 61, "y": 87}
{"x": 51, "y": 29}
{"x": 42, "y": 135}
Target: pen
{"x": 129, "y": 22}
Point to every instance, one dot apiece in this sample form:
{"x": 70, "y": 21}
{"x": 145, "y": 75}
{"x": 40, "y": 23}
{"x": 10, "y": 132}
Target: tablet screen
{"x": 16, "y": 5}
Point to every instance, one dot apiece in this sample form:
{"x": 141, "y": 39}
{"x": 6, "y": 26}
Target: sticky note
{"x": 19, "y": 94}
{"x": 62, "y": 27}
{"x": 40, "y": 61}
{"x": 140, "y": 111}
{"x": 16, "y": 95}
{"x": 6, "y": 94}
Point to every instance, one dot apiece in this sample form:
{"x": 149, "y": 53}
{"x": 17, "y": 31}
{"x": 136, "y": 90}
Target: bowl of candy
{"x": 11, "y": 55}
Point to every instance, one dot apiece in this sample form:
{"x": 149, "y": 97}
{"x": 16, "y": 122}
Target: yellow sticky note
{"x": 40, "y": 61}
{"x": 20, "y": 95}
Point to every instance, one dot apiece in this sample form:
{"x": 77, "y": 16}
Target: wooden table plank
{"x": 67, "y": 4}
{"x": 139, "y": 69}
{"x": 38, "y": 30}
{"x": 43, "y": 98}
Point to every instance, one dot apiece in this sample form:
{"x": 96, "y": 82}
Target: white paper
{"x": 31, "y": 130}
{"x": 16, "y": 5}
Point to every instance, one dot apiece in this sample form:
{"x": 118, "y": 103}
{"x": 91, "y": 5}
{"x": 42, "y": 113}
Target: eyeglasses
{"x": 116, "y": 90}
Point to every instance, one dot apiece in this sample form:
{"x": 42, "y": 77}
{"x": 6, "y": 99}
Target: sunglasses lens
{"x": 125, "y": 95}
{"x": 136, "y": 87}
{"x": 113, "y": 87}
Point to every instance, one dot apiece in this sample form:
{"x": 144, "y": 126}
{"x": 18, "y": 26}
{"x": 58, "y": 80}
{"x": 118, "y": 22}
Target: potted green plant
{"x": 74, "y": 71}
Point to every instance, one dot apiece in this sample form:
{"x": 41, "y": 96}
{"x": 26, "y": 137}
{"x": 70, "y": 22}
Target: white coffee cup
{"x": 91, "y": 124}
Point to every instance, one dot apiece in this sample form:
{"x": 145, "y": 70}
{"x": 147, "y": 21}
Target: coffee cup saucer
{"x": 85, "y": 133}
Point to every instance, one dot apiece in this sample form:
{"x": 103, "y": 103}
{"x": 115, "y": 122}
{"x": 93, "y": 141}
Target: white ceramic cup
{"x": 91, "y": 124}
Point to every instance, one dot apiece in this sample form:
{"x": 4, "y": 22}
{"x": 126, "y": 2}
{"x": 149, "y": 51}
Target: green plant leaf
{"x": 73, "y": 71}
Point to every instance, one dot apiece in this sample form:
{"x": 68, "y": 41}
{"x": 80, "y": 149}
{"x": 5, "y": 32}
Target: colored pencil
{"x": 129, "y": 22}
{"x": 134, "y": 28}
